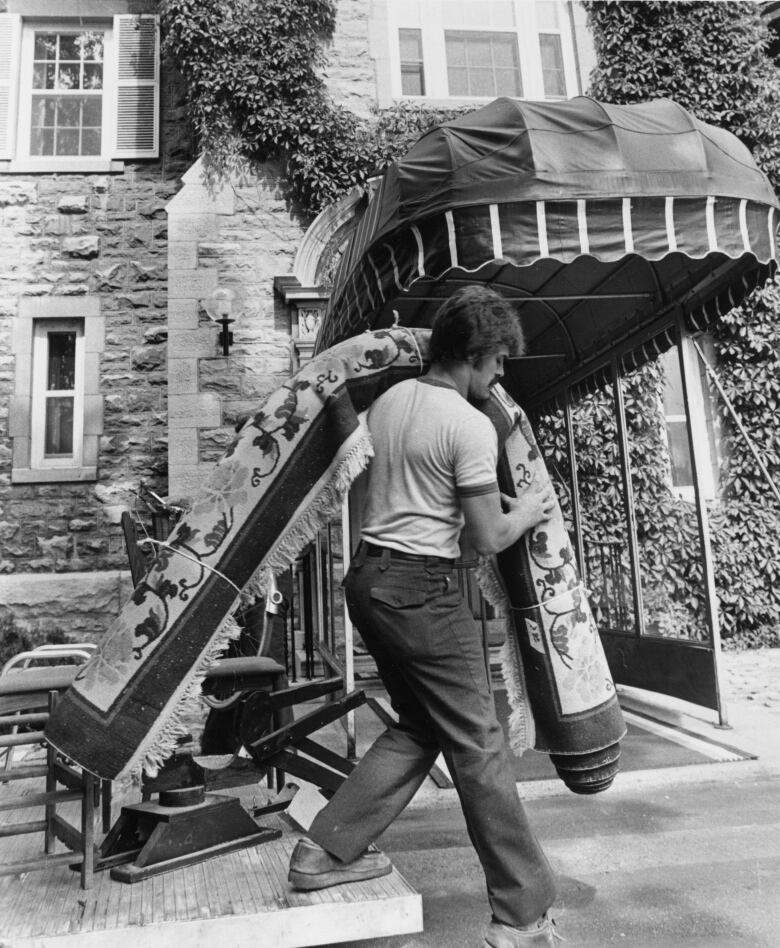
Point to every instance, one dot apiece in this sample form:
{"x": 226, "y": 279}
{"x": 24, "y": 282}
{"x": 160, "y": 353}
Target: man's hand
{"x": 532, "y": 507}
{"x": 492, "y": 526}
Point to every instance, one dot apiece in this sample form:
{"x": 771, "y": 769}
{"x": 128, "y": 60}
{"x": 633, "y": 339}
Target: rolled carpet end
{"x": 588, "y": 773}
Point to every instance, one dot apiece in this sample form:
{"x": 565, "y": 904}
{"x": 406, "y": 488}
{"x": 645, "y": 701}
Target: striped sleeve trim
{"x": 477, "y": 490}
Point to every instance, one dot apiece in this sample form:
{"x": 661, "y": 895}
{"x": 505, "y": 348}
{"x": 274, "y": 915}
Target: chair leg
{"x": 105, "y": 804}
{"x": 88, "y": 830}
{"x": 49, "y": 841}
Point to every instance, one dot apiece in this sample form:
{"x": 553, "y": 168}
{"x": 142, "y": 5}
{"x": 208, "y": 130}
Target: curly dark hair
{"x": 475, "y": 321}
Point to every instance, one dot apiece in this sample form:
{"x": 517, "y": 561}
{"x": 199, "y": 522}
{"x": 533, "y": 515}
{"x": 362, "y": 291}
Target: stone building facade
{"x": 134, "y": 251}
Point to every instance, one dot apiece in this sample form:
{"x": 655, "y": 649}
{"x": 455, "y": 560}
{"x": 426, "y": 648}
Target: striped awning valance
{"x": 604, "y": 225}
{"x": 523, "y": 232}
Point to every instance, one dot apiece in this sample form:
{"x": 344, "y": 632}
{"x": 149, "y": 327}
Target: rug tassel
{"x": 161, "y": 744}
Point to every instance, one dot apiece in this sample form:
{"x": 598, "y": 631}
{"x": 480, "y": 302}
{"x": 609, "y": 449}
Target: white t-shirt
{"x": 430, "y": 448}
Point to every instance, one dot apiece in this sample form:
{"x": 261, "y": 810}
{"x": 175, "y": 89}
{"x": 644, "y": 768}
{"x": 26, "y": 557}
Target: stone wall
{"x": 102, "y": 236}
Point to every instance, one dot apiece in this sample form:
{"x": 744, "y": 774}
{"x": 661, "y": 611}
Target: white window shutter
{"x": 10, "y": 43}
{"x": 137, "y": 45}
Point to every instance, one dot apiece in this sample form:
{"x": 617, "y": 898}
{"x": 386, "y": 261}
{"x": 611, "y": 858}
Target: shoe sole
{"x": 322, "y": 880}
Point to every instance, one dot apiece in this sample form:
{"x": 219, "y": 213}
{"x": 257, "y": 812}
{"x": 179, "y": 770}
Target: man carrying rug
{"x": 433, "y": 476}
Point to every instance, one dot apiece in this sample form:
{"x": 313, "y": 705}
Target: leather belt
{"x": 373, "y": 550}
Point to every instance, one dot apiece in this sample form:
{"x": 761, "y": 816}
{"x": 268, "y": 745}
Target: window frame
{"x": 430, "y": 18}
{"x": 40, "y": 394}
{"x": 26, "y": 91}
{"x": 26, "y": 421}
{"x": 131, "y": 84}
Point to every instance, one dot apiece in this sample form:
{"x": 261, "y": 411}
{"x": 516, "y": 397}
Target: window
{"x": 704, "y": 422}
{"x": 482, "y": 64}
{"x": 57, "y": 393}
{"x": 412, "y": 72}
{"x": 56, "y": 411}
{"x": 66, "y": 117}
{"x": 551, "y": 49}
{"x": 77, "y": 94}
{"x": 459, "y": 49}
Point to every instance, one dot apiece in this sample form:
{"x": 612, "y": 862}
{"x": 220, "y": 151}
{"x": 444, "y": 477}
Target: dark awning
{"x": 601, "y": 222}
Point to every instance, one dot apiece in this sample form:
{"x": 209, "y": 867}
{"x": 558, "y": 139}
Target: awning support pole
{"x": 628, "y": 497}
{"x": 576, "y": 508}
{"x": 692, "y": 396}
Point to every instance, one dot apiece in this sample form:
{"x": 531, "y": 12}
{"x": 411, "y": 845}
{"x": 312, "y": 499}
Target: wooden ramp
{"x": 241, "y": 899}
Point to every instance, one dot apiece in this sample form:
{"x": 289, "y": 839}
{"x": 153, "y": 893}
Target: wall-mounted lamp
{"x": 223, "y": 307}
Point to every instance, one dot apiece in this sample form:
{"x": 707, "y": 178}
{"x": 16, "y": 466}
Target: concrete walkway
{"x": 684, "y": 856}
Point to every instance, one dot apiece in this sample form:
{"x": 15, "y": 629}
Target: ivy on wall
{"x": 712, "y": 59}
{"x": 254, "y": 75}
{"x": 254, "y": 72}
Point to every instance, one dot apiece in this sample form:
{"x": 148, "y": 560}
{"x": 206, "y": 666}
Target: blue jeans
{"x": 428, "y": 650}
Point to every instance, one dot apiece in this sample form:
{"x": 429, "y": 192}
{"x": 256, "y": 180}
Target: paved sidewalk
{"x": 684, "y": 856}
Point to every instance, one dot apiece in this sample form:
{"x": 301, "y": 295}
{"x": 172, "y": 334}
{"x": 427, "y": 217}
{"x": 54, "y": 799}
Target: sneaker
{"x": 541, "y": 935}
{"x": 312, "y": 867}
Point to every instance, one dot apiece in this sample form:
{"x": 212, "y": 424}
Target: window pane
{"x": 491, "y": 62}
{"x": 552, "y": 64}
{"x": 69, "y": 47}
{"x": 42, "y": 141}
{"x": 456, "y": 50}
{"x": 59, "y": 427}
{"x": 67, "y": 141}
{"x": 43, "y": 76}
{"x": 507, "y": 83}
{"x": 458, "y": 81}
{"x": 69, "y": 112}
{"x": 412, "y": 80}
{"x": 92, "y": 112}
{"x": 58, "y": 121}
{"x": 90, "y": 141}
{"x": 61, "y": 374}
{"x": 68, "y": 76}
{"x": 92, "y": 47}
{"x": 93, "y": 76}
{"x": 45, "y": 46}
{"x": 482, "y": 82}
{"x": 409, "y": 42}
{"x": 682, "y": 473}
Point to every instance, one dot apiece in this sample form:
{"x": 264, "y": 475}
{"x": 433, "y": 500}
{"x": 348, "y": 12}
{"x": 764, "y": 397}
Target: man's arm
{"x": 494, "y": 521}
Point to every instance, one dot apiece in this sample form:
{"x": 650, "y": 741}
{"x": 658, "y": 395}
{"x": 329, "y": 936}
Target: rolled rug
{"x": 283, "y": 478}
{"x": 553, "y": 654}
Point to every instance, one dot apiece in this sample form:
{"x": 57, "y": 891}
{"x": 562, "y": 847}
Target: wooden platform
{"x": 241, "y": 899}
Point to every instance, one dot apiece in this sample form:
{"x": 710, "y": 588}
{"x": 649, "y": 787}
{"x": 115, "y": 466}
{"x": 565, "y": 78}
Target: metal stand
{"x": 185, "y": 827}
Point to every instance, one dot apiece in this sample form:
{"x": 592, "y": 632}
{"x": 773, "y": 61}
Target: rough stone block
{"x": 183, "y": 447}
{"x": 189, "y": 227}
{"x": 194, "y": 411}
{"x": 189, "y": 284}
{"x": 182, "y": 376}
{"x": 192, "y": 343}
{"x": 183, "y": 255}
{"x": 182, "y": 314}
{"x": 17, "y": 192}
{"x": 86, "y": 246}
{"x": 72, "y": 204}
{"x": 185, "y": 481}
